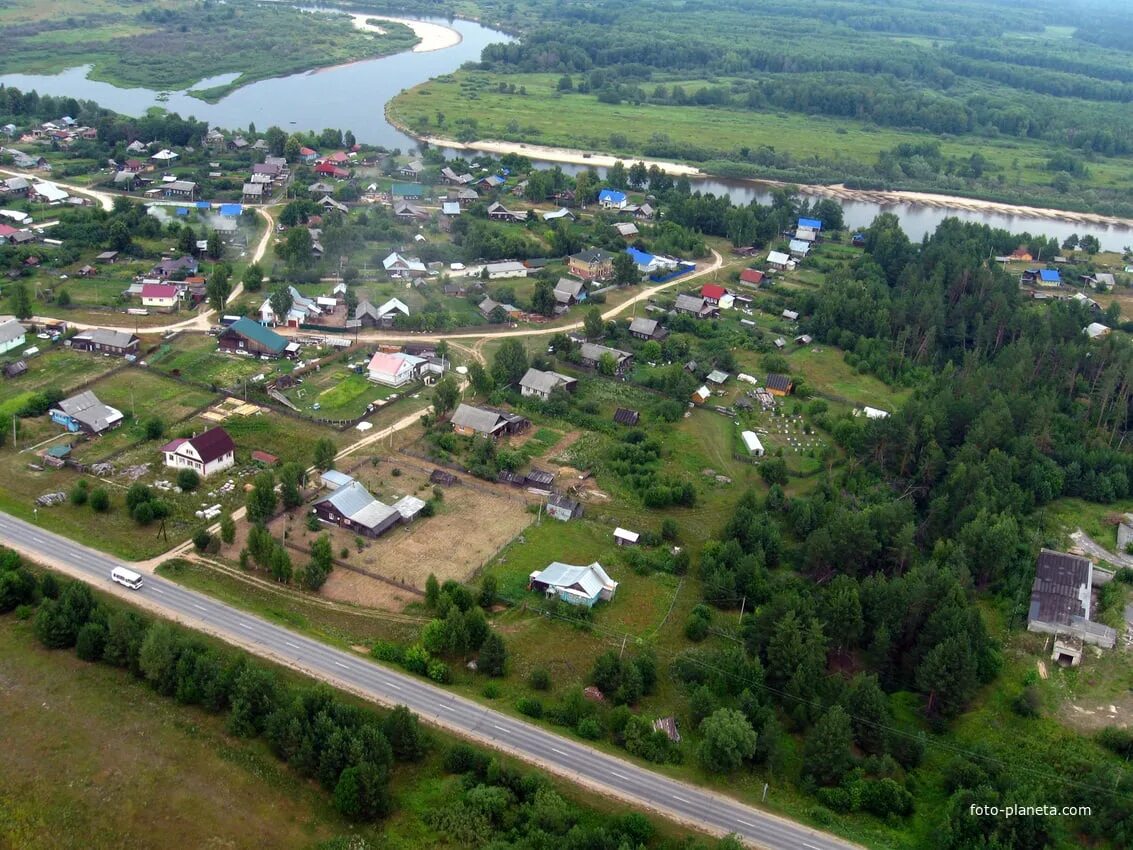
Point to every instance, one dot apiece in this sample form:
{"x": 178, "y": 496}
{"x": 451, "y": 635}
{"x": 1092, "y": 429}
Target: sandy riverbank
{"x": 569, "y": 155}
{"x": 837, "y": 191}
{"x": 929, "y": 199}
{"x": 433, "y": 36}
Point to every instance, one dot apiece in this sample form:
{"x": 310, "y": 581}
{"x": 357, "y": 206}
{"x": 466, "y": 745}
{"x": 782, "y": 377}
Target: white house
{"x": 875, "y": 413}
{"x": 393, "y": 370}
{"x": 398, "y": 266}
{"x": 164, "y": 155}
{"x": 212, "y": 451}
{"x": 302, "y": 310}
{"x": 574, "y": 585}
{"x": 388, "y": 311}
{"x": 507, "y": 268}
{"x": 751, "y": 441}
{"x": 12, "y": 334}
{"x": 778, "y": 259}
{"x": 612, "y": 199}
{"x": 49, "y": 193}
{"x": 160, "y": 296}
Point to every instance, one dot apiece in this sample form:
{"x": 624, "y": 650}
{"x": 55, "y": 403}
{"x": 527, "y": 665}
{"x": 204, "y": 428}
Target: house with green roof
{"x": 248, "y": 337}
{"x": 407, "y": 191}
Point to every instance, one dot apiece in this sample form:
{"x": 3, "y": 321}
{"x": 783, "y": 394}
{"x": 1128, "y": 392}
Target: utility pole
{"x": 742, "y": 606}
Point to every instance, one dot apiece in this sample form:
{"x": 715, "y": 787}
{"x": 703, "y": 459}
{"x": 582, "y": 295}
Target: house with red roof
{"x": 329, "y": 169}
{"x": 160, "y": 296}
{"x": 752, "y": 276}
{"x": 715, "y": 295}
{"x": 212, "y": 451}
{"x": 712, "y": 293}
{"x": 308, "y": 154}
{"x": 6, "y": 232}
{"x": 393, "y": 369}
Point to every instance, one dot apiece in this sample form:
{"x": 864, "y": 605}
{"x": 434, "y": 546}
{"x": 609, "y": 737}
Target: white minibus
{"x": 126, "y": 577}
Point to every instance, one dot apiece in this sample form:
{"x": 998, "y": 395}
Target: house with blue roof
{"x": 231, "y": 210}
{"x": 812, "y": 223}
{"x": 612, "y": 199}
{"x": 1049, "y": 277}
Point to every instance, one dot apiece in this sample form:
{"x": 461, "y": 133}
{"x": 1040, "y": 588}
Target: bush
{"x": 491, "y": 691}
{"x": 99, "y": 500}
{"x": 202, "y": 539}
{"x": 188, "y": 480}
{"x": 439, "y": 672}
{"x": 589, "y": 728}
{"x": 530, "y": 706}
{"x": 1028, "y": 703}
{"x": 80, "y": 493}
{"x": 540, "y": 679}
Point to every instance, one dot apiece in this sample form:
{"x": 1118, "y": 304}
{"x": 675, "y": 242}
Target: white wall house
{"x": 212, "y": 451}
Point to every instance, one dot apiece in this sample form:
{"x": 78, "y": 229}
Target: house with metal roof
{"x": 647, "y": 329}
{"x": 574, "y": 585}
{"x": 1095, "y": 330}
{"x": 393, "y": 370}
{"x": 505, "y": 268}
{"x": 469, "y": 420}
{"x": 206, "y": 453}
{"x": 354, "y": 508}
{"x": 400, "y": 266}
{"x": 84, "y": 412}
{"x": 1061, "y": 600}
{"x": 591, "y": 356}
{"x": 541, "y": 384}
{"x": 12, "y": 334}
{"x": 778, "y": 260}
{"x": 105, "y": 341}
{"x": 569, "y": 291}
{"x": 245, "y": 336}
{"x": 799, "y": 248}
{"x": 812, "y": 223}
{"x": 694, "y": 305}
{"x": 612, "y": 199}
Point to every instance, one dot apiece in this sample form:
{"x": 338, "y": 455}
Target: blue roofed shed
{"x": 231, "y": 209}
{"x": 813, "y": 223}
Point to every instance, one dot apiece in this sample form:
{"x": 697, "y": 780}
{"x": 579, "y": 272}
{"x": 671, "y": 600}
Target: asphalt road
{"x": 563, "y": 756}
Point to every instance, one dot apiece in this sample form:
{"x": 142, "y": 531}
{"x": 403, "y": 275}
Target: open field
{"x": 537, "y": 118}
{"x": 95, "y": 759}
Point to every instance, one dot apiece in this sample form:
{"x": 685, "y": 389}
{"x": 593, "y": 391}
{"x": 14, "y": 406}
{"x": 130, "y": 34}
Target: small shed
{"x": 625, "y": 416}
{"x": 539, "y": 478}
{"x": 752, "y": 443}
{"x": 445, "y": 479}
{"x": 264, "y": 457}
{"x": 625, "y": 537}
{"x": 332, "y": 479}
{"x": 563, "y": 508}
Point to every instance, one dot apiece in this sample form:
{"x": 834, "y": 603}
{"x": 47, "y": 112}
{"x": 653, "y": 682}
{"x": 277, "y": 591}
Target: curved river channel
{"x": 354, "y": 96}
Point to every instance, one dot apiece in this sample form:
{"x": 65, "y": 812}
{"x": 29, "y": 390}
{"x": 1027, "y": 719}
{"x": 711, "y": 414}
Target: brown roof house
{"x": 104, "y": 341}
{"x": 212, "y": 451}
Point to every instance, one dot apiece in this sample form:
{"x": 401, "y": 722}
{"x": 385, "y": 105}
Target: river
{"x": 354, "y": 97}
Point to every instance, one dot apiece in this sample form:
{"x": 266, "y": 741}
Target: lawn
{"x": 195, "y": 356}
{"x": 57, "y": 367}
{"x": 341, "y": 393}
